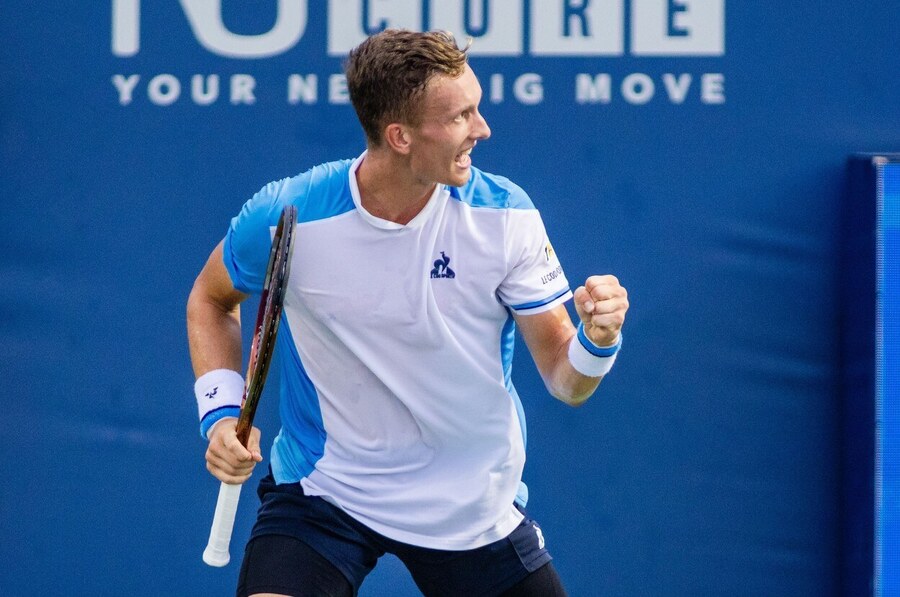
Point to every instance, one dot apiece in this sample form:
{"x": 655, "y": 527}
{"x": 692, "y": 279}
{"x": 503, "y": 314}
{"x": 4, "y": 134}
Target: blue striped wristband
{"x": 219, "y": 394}
{"x": 589, "y": 359}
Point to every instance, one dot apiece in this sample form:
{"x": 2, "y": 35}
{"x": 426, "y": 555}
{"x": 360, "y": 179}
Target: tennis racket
{"x": 267, "y": 319}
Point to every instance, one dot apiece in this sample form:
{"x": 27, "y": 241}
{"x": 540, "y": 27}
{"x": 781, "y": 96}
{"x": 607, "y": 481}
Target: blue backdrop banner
{"x": 695, "y": 150}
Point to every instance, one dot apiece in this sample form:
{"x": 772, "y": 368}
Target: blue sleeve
{"x": 320, "y": 192}
{"x": 249, "y": 238}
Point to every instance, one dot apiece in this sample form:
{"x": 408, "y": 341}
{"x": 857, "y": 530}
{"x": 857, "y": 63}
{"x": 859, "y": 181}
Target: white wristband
{"x": 219, "y": 394}
{"x": 589, "y": 359}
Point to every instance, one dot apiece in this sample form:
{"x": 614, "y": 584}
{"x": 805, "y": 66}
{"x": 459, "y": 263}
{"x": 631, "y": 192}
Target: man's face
{"x": 449, "y": 126}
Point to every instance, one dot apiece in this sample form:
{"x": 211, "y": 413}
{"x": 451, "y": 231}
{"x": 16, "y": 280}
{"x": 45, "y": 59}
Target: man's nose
{"x": 482, "y": 130}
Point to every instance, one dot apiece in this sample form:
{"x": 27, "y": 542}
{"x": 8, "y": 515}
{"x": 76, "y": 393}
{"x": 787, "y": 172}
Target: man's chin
{"x": 460, "y": 176}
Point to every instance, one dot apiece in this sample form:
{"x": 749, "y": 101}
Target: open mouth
{"x": 464, "y": 158}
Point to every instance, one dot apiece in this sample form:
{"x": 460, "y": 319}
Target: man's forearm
{"x": 569, "y": 385}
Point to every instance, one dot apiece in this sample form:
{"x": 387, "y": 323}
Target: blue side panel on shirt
{"x": 295, "y": 456}
{"x": 490, "y": 190}
{"x": 318, "y": 193}
{"x": 507, "y": 346}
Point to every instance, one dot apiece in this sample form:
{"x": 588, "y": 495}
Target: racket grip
{"x": 216, "y": 552}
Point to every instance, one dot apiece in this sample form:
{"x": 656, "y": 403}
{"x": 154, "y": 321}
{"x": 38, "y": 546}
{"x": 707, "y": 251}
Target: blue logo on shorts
{"x": 442, "y": 269}
{"x": 540, "y": 535}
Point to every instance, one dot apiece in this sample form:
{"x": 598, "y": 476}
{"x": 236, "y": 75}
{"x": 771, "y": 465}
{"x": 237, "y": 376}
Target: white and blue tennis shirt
{"x": 396, "y": 346}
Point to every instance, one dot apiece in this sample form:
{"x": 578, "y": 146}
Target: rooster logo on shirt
{"x": 442, "y": 268}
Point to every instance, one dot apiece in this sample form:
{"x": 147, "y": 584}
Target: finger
{"x": 229, "y": 475}
{"x": 226, "y": 477}
{"x": 253, "y": 445}
{"x": 227, "y": 464}
{"x": 601, "y": 281}
{"x": 236, "y": 448}
{"x": 603, "y": 292}
{"x": 609, "y": 321}
{"x": 610, "y": 306}
{"x": 584, "y": 305}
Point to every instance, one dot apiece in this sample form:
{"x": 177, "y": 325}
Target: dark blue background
{"x": 708, "y": 464}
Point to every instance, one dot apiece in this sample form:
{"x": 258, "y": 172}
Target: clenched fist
{"x": 601, "y": 305}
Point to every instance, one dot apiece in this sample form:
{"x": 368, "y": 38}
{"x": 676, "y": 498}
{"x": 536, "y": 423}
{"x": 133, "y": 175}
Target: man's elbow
{"x": 575, "y": 401}
{"x": 209, "y": 299}
{"x": 572, "y": 396}
{"x": 196, "y": 303}
{"x": 201, "y": 306}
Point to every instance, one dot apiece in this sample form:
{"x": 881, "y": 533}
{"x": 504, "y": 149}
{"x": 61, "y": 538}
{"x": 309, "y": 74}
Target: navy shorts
{"x": 353, "y": 549}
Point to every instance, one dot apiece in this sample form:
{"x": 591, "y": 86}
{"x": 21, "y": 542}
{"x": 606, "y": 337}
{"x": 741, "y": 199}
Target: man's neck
{"x": 387, "y": 189}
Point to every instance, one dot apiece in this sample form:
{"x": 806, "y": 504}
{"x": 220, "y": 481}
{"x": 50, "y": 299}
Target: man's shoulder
{"x": 320, "y": 192}
{"x": 323, "y": 177}
{"x": 491, "y": 191}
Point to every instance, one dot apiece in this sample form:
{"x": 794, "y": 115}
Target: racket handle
{"x": 216, "y": 552}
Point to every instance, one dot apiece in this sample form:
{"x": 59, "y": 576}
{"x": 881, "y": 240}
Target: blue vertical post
{"x": 887, "y": 396}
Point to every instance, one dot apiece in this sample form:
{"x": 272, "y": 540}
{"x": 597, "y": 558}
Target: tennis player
{"x": 401, "y": 430}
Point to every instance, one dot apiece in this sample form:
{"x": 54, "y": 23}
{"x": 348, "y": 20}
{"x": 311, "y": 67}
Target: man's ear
{"x": 397, "y": 137}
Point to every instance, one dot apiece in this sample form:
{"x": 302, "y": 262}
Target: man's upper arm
{"x": 213, "y": 319}
{"x": 214, "y": 284}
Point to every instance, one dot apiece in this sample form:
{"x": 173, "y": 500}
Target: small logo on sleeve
{"x": 442, "y": 268}
{"x": 547, "y": 278}
{"x": 548, "y": 252}
{"x": 212, "y": 393}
